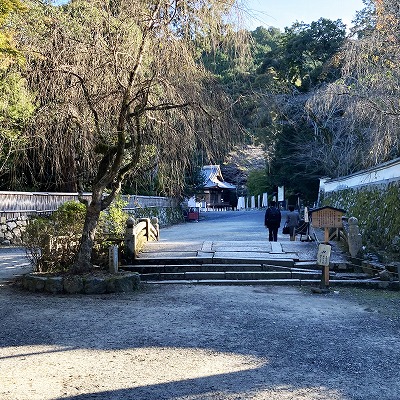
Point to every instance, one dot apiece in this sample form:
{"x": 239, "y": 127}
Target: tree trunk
{"x": 83, "y": 262}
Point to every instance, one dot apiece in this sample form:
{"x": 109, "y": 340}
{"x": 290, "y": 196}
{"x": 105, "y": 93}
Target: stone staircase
{"x": 235, "y": 272}
{"x": 241, "y": 263}
{"x": 241, "y": 273}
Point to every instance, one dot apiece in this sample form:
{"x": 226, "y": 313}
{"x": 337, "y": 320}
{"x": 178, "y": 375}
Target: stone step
{"x": 311, "y": 264}
{"x": 358, "y": 283}
{"x": 202, "y": 267}
{"x": 287, "y": 261}
{"x": 222, "y": 282}
{"x": 182, "y": 268}
{"x": 231, "y": 275}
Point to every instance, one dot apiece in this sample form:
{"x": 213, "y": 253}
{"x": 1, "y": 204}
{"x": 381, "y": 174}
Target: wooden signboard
{"x": 327, "y": 217}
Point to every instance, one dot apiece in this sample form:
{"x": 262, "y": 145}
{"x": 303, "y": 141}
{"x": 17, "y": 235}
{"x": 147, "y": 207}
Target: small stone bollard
{"x": 129, "y": 248}
{"x": 154, "y": 222}
{"x": 113, "y": 259}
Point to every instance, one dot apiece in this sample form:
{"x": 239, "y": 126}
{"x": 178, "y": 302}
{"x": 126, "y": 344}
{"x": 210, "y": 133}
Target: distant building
{"x": 218, "y": 194}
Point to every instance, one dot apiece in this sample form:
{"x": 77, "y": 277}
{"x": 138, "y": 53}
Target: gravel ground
{"x": 200, "y": 342}
{"x": 187, "y": 342}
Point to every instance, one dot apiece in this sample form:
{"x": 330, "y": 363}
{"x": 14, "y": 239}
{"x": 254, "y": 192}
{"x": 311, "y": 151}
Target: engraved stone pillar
{"x": 354, "y": 239}
{"x": 113, "y": 259}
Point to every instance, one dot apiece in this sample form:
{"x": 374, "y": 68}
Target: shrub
{"x": 113, "y": 220}
{"x": 52, "y": 242}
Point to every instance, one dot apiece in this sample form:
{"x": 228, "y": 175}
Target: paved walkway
{"x": 13, "y": 263}
{"x": 231, "y": 235}
{"x": 225, "y": 234}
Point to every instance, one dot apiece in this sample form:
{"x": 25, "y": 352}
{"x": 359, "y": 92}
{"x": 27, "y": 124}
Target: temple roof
{"x": 213, "y": 178}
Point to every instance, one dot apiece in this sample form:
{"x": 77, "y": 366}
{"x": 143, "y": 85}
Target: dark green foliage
{"x": 270, "y": 96}
{"x": 258, "y": 183}
{"x": 287, "y": 168}
{"x": 304, "y": 53}
{"x": 377, "y": 212}
{"x": 68, "y": 218}
{"x": 266, "y": 41}
{"x": 52, "y": 242}
{"x": 365, "y": 21}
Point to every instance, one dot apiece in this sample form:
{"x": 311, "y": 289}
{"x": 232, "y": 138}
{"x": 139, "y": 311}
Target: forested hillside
{"x": 139, "y": 95}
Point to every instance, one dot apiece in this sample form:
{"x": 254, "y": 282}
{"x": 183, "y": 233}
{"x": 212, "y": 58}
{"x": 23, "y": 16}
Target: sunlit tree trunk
{"x": 83, "y": 262}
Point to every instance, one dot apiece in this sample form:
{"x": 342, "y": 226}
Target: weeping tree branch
{"x": 150, "y": 105}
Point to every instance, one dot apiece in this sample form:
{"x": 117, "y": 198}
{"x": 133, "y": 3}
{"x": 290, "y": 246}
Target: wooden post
{"x": 325, "y": 277}
{"x": 326, "y": 235}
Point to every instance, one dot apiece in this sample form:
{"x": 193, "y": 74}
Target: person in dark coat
{"x": 292, "y": 221}
{"x": 273, "y": 221}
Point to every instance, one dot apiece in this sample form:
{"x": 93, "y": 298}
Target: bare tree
{"x": 356, "y": 118}
{"x": 121, "y": 89}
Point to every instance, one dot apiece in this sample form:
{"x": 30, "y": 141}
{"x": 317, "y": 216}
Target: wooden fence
{"x": 19, "y": 204}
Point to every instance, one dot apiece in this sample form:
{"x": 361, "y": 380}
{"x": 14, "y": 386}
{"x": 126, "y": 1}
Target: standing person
{"x": 292, "y": 221}
{"x": 273, "y": 221}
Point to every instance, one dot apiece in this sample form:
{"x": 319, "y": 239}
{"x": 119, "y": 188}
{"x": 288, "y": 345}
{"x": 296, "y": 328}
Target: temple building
{"x": 217, "y": 193}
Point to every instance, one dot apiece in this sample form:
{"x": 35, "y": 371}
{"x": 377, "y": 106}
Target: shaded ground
{"x": 199, "y": 342}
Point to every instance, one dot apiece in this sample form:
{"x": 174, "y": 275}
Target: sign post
{"x": 327, "y": 218}
{"x": 323, "y": 259}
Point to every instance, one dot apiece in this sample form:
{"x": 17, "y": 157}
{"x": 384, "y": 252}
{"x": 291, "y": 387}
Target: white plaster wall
{"x": 386, "y": 172}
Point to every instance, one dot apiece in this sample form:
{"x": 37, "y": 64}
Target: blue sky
{"x": 281, "y": 13}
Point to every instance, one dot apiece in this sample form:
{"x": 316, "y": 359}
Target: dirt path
{"x": 200, "y": 342}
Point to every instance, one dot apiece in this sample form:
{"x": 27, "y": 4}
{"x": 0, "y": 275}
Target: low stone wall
{"x": 17, "y": 207}
{"x": 11, "y": 230}
{"x": 123, "y": 282}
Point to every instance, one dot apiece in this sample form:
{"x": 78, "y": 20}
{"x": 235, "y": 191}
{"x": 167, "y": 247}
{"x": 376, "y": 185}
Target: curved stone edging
{"x": 124, "y": 282}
